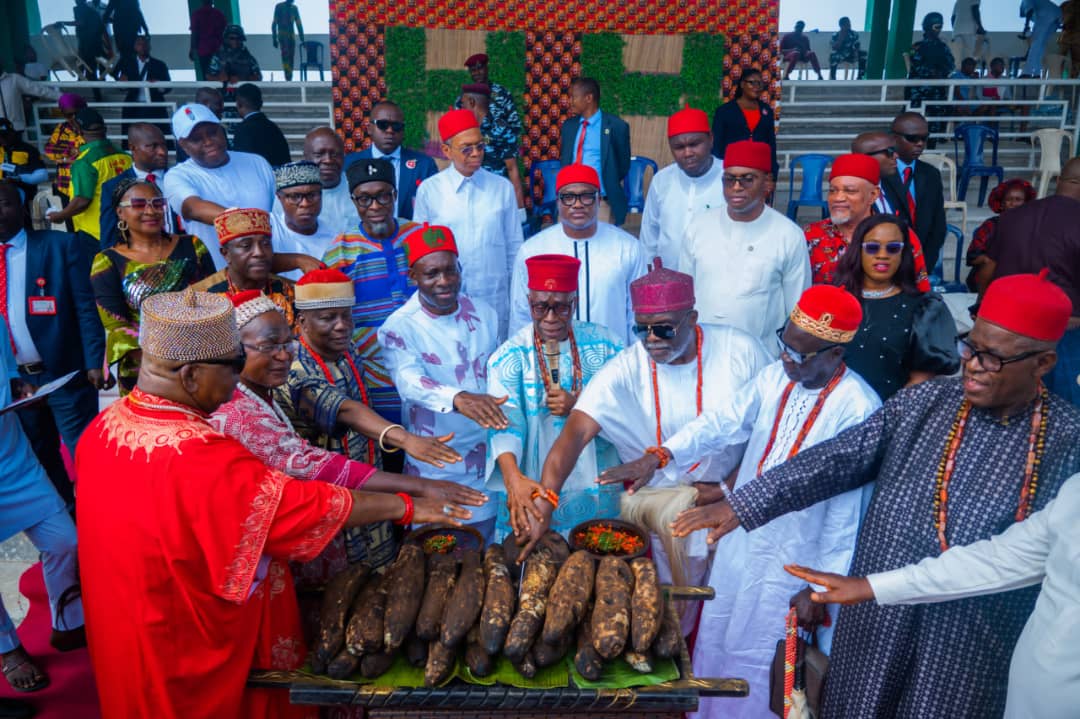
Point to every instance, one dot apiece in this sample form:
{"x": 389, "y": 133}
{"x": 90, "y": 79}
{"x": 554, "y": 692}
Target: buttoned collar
{"x": 377, "y": 154}
{"x": 18, "y": 241}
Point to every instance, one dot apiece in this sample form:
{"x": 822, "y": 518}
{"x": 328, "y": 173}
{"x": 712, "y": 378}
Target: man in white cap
{"x": 213, "y": 178}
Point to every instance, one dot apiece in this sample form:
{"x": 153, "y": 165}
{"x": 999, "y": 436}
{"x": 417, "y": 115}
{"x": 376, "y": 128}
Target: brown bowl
{"x": 617, "y": 524}
{"x": 465, "y": 538}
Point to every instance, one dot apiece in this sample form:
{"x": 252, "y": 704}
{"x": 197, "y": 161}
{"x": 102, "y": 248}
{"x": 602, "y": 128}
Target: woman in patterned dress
{"x": 145, "y": 262}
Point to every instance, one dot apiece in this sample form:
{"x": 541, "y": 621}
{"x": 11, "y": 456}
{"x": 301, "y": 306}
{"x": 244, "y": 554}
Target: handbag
{"x": 810, "y": 667}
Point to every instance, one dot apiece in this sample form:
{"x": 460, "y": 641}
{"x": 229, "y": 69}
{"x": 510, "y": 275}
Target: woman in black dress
{"x": 747, "y": 117}
{"x": 906, "y": 336}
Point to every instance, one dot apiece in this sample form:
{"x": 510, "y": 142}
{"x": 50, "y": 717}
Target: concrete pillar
{"x": 900, "y": 34}
{"x": 877, "y": 24}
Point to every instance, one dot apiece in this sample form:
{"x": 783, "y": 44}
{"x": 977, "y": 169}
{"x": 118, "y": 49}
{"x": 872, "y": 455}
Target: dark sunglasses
{"x": 386, "y": 125}
{"x": 794, "y": 355}
{"x": 887, "y": 151}
{"x": 661, "y": 332}
{"x": 569, "y": 199}
{"x": 891, "y": 248}
{"x": 561, "y": 309}
{"x": 913, "y": 139}
{"x": 744, "y": 181}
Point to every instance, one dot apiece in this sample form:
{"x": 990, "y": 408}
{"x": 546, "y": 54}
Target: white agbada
{"x": 620, "y": 399}
{"x": 740, "y": 627}
{"x": 746, "y": 274}
{"x": 482, "y": 213}
{"x": 431, "y": 359}
{"x": 285, "y": 239}
{"x": 1044, "y": 676}
{"x": 246, "y": 180}
{"x": 610, "y": 260}
{"x": 674, "y": 200}
{"x": 338, "y": 210}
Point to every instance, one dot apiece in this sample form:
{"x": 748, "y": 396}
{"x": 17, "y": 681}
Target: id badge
{"x": 42, "y": 305}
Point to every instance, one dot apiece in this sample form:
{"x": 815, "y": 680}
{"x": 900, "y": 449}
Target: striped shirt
{"x": 379, "y": 271}
{"x": 61, "y": 148}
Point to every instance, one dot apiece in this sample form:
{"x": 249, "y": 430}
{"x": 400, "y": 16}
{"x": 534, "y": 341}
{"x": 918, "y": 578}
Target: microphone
{"x": 551, "y": 352}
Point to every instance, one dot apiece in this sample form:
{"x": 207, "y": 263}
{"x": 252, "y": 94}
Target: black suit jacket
{"x": 929, "y": 222}
{"x": 257, "y": 133}
{"x": 415, "y": 168}
{"x": 729, "y": 125}
{"x": 614, "y": 157}
{"x": 156, "y": 70}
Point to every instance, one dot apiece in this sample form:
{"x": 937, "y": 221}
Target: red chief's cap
{"x": 856, "y": 165}
{"x": 827, "y": 312}
{"x": 456, "y": 121}
{"x": 688, "y": 119}
{"x": 428, "y": 239}
{"x": 553, "y": 273}
{"x": 747, "y": 153}
{"x": 1029, "y": 305}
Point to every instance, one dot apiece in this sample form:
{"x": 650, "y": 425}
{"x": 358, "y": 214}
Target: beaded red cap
{"x": 827, "y": 312}
{"x": 662, "y": 290}
{"x": 428, "y": 239}
{"x": 1029, "y": 305}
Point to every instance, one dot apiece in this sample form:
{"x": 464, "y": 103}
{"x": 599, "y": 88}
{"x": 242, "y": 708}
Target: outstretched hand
{"x": 432, "y": 450}
{"x": 537, "y": 528}
{"x": 719, "y": 518}
{"x": 638, "y": 473}
{"x": 519, "y": 499}
{"x": 427, "y": 510}
{"x": 483, "y": 409}
{"x": 839, "y": 589}
{"x": 447, "y": 491}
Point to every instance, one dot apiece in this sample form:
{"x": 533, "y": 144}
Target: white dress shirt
{"x": 394, "y": 158}
{"x": 339, "y": 212}
{"x": 285, "y": 239}
{"x": 25, "y": 350}
{"x": 482, "y": 213}
{"x": 674, "y": 200}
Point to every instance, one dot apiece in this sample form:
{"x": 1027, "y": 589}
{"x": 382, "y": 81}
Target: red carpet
{"x": 71, "y": 693}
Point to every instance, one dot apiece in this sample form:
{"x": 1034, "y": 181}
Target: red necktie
{"x": 581, "y": 140}
{"x": 910, "y": 197}
{"x": 4, "y": 291}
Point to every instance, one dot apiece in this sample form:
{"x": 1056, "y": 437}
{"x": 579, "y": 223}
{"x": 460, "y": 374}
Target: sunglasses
{"x": 743, "y": 181}
{"x": 140, "y": 203}
{"x": 665, "y": 331}
{"x": 913, "y": 139}
{"x": 364, "y": 201}
{"x": 569, "y": 199}
{"x": 561, "y": 309}
{"x": 794, "y": 355}
{"x": 891, "y": 248}
{"x": 387, "y": 125}
{"x": 887, "y": 151}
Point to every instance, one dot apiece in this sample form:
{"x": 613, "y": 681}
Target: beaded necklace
{"x": 656, "y": 389}
{"x": 808, "y": 424}
{"x": 1035, "y": 446}
{"x": 576, "y": 383}
{"x": 359, "y": 383}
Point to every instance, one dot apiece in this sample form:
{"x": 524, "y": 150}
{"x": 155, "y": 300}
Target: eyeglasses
{"x": 661, "y": 332}
{"x": 887, "y": 151}
{"x": 987, "y": 360}
{"x": 793, "y": 354}
{"x": 587, "y": 199}
{"x": 387, "y": 125}
{"x": 140, "y": 203}
{"x": 296, "y": 198}
{"x": 292, "y": 347}
{"x": 744, "y": 181}
{"x": 236, "y": 363}
{"x": 892, "y": 248}
{"x": 561, "y": 309}
{"x": 470, "y": 150}
{"x": 364, "y": 201}
{"x": 913, "y": 139}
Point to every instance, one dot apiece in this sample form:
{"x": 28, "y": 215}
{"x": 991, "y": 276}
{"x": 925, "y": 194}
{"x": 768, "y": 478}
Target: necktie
{"x": 581, "y": 140}
{"x": 151, "y": 178}
{"x": 4, "y": 247}
{"x": 910, "y": 196}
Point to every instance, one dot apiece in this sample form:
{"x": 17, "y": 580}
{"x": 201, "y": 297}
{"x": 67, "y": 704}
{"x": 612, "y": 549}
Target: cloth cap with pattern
{"x": 477, "y": 59}
{"x": 188, "y": 116}
{"x": 250, "y": 304}
{"x": 322, "y": 289}
{"x": 366, "y": 170}
{"x": 188, "y": 326}
{"x": 572, "y": 174}
{"x": 428, "y": 239}
{"x": 241, "y": 222}
{"x": 749, "y": 154}
{"x": 1029, "y": 305}
{"x": 292, "y": 174}
{"x": 688, "y": 119}
{"x": 828, "y": 313}
{"x": 661, "y": 290}
{"x": 856, "y": 165}
{"x": 553, "y": 273}
{"x": 456, "y": 121}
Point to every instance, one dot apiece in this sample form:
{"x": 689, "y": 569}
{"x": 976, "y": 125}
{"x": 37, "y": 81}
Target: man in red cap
{"x": 953, "y": 461}
{"x": 503, "y": 110}
{"x": 500, "y": 141}
{"x": 853, "y": 190}
{"x": 480, "y": 208}
{"x": 748, "y": 260}
{"x": 436, "y": 347}
{"x": 804, "y": 398}
{"x": 610, "y": 258}
{"x": 543, "y": 368}
{"x": 648, "y": 392}
{"x": 681, "y": 191}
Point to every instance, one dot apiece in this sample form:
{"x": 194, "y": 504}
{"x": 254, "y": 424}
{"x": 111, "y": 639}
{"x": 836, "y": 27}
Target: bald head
{"x": 1068, "y": 184}
{"x": 148, "y": 149}
{"x": 878, "y": 145}
{"x": 326, "y": 149}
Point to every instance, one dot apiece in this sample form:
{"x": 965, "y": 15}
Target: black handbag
{"x": 811, "y": 666}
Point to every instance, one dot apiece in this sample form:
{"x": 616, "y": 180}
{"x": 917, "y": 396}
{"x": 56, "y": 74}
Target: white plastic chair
{"x": 1050, "y": 141}
{"x": 947, "y": 168}
{"x": 63, "y": 52}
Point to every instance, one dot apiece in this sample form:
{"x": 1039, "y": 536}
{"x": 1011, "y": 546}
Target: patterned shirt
{"x": 98, "y": 162}
{"x": 380, "y": 275}
{"x": 278, "y": 289}
{"x": 502, "y": 108}
{"x": 62, "y": 148}
{"x": 234, "y": 61}
{"x": 500, "y": 145}
{"x": 827, "y": 244}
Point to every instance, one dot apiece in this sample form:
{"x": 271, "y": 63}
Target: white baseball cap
{"x": 188, "y": 116}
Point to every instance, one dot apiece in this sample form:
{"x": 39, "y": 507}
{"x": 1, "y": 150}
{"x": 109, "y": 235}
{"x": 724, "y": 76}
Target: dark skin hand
{"x": 97, "y": 378}
{"x": 519, "y": 490}
{"x": 483, "y": 409}
{"x": 809, "y": 613}
{"x": 719, "y": 518}
{"x": 638, "y": 472}
{"x": 839, "y": 589}
{"x": 559, "y": 401}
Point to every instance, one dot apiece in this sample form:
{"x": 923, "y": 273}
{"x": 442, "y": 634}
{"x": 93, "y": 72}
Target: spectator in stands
{"x": 324, "y": 147}
{"x": 906, "y": 336}
{"x": 500, "y": 142}
{"x": 30, "y": 68}
{"x": 795, "y": 47}
{"x": 98, "y": 162}
{"x": 91, "y": 37}
{"x": 967, "y": 29}
{"x": 844, "y": 47}
{"x": 747, "y": 117}
{"x": 995, "y": 93}
{"x": 149, "y": 158}
{"x": 1007, "y": 195}
{"x": 12, "y": 89}
{"x": 141, "y": 67}
{"x": 1045, "y": 16}
{"x": 965, "y": 92}
{"x": 28, "y": 171}
{"x": 503, "y": 109}
{"x": 286, "y": 16}
{"x": 127, "y": 21}
{"x": 297, "y": 228}
{"x": 256, "y": 132}
{"x": 386, "y": 128}
{"x": 600, "y": 140}
{"x": 207, "y": 27}
{"x": 878, "y": 145}
{"x": 931, "y": 59}
{"x": 233, "y": 63}
{"x": 64, "y": 143}
{"x": 212, "y": 98}
{"x": 916, "y": 192}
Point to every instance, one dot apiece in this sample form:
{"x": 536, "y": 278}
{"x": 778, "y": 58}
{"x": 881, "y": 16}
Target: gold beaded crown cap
{"x": 241, "y": 222}
{"x": 188, "y": 326}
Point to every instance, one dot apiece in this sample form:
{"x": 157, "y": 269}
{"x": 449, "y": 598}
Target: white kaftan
{"x": 674, "y": 200}
{"x": 610, "y": 260}
{"x": 740, "y": 627}
{"x": 285, "y": 239}
{"x": 746, "y": 274}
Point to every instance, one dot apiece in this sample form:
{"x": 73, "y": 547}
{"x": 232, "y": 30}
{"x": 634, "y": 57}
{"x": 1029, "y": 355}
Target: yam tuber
{"x": 611, "y": 612}
{"x": 337, "y": 598}
{"x": 364, "y": 633}
{"x": 466, "y": 600}
{"x": 588, "y": 663}
{"x": 442, "y": 571}
{"x": 645, "y": 605}
{"x": 440, "y": 664}
{"x": 374, "y": 665}
{"x": 669, "y": 638}
{"x": 569, "y": 596}
{"x": 539, "y": 576}
{"x": 478, "y": 660}
{"x": 498, "y": 600}
{"x": 404, "y": 592}
{"x": 342, "y": 666}
{"x": 640, "y": 663}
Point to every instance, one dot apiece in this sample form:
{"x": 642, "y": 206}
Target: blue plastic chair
{"x": 813, "y": 173}
{"x": 974, "y": 138}
{"x": 635, "y": 183}
{"x": 546, "y": 205}
{"x": 311, "y": 55}
{"x": 937, "y": 281}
